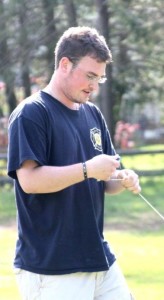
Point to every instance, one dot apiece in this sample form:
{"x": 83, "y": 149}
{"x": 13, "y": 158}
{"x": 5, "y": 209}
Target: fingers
{"x": 135, "y": 188}
{"x": 101, "y": 167}
{"x": 130, "y": 181}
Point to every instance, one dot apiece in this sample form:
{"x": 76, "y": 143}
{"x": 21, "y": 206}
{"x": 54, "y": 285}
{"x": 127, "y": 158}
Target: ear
{"x": 65, "y": 64}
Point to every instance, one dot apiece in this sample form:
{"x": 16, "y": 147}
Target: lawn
{"x": 7, "y": 205}
{"x": 129, "y": 211}
{"x": 140, "y": 256}
{"x": 145, "y": 162}
{"x": 134, "y": 230}
{"x": 8, "y": 288}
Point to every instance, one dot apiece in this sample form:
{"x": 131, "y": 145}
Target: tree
{"x": 106, "y": 95}
{"x": 5, "y": 61}
{"x": 71, "y": 13}
{"x": 24, "y": 47}
{"x": 136, "y": 38}
{"x": 50, "y": 32}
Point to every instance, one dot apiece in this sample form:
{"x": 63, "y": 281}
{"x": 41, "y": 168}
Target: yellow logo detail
{"x": 95, "y": 135}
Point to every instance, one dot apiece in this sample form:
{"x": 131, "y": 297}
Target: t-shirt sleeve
{"x": 27, "y": 141}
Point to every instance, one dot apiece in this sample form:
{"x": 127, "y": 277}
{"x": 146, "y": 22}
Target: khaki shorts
{"x": 108, "y": 285}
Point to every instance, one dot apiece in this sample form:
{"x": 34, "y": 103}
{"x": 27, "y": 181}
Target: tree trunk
{"x": 5, "y": 68}
{"x": 71, "y": 13}
{"x": 106, "y": 95}
{"x": 50, "y": 33}
{"x": 24, "y": 46}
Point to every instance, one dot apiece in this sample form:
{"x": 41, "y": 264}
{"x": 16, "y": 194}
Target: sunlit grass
{"x": 153, "y": 147}
{"x": 127, "y": 210}
{"x": 140, "y": 257}
{"x": 7, "y": 204}
{"x": 8, "y": 288}
{"x": 146, "y": 161}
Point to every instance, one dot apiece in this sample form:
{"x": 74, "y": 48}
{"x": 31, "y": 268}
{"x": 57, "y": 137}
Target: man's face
{"x": 83, "y": 79}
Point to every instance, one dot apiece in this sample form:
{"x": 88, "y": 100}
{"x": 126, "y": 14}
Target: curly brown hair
{"x": 77, "y": 42}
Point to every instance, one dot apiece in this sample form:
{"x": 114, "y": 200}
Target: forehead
{"x": 90, "y": 64}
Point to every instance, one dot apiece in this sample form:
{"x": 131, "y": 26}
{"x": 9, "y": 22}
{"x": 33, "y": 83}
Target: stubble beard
{"x": 73, "y": 99}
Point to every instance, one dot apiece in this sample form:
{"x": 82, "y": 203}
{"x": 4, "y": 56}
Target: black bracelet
{"x": 85, "y": 170}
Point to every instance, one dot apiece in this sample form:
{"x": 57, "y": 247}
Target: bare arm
{"x": 47, "y": 179}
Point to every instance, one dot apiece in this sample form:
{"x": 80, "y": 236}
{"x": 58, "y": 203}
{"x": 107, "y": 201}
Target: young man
{"x": 63, "y": 161}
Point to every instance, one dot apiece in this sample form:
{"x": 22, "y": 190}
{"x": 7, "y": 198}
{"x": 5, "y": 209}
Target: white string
{"x": 142, "y": 197}
{"x": 157, "y": 212}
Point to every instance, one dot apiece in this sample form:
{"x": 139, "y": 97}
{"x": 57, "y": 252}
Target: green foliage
{"x": 136, "y": 38}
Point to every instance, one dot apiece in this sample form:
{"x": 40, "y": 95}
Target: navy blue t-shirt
{"x": 60, "y": 232}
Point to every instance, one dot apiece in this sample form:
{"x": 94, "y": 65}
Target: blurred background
{"x": 132, "y": 101}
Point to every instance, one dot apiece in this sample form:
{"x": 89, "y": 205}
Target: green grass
{"x": 129, "y": 211}
{"x": 140, "y": 256}
{"x": 136, "y": 232}
{"x": 3, "y": 171}
{"x": 152, "y": 147}
{"x": 7, "y": 204}
{"x": 8, "y": 287}
{"x": 146, "y": 161}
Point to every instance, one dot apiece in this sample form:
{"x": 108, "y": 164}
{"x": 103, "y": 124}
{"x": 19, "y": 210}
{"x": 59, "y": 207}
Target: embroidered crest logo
{"x": 95, "y": 135}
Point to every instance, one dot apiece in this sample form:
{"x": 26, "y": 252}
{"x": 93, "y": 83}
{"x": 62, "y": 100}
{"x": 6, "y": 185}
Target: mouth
{"x": 87, "y": 93}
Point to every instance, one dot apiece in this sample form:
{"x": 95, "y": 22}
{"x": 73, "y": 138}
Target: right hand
{"x": 101, "y": 167}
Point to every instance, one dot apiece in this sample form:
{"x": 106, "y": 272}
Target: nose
{"x": 94, "y": 86}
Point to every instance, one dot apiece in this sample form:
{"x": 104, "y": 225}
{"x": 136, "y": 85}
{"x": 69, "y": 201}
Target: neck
{"x": 53, "y": 89}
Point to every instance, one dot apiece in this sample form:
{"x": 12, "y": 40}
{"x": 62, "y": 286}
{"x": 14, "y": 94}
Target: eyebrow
{"x": 94, "y": 74}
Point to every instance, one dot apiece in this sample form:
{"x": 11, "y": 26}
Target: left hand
{"x": 130, "y": 180}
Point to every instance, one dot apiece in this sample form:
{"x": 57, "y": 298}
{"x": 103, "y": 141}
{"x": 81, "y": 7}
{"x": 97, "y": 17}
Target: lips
{"x": 87, "y": 92}
{"x": 87, "y": 95}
